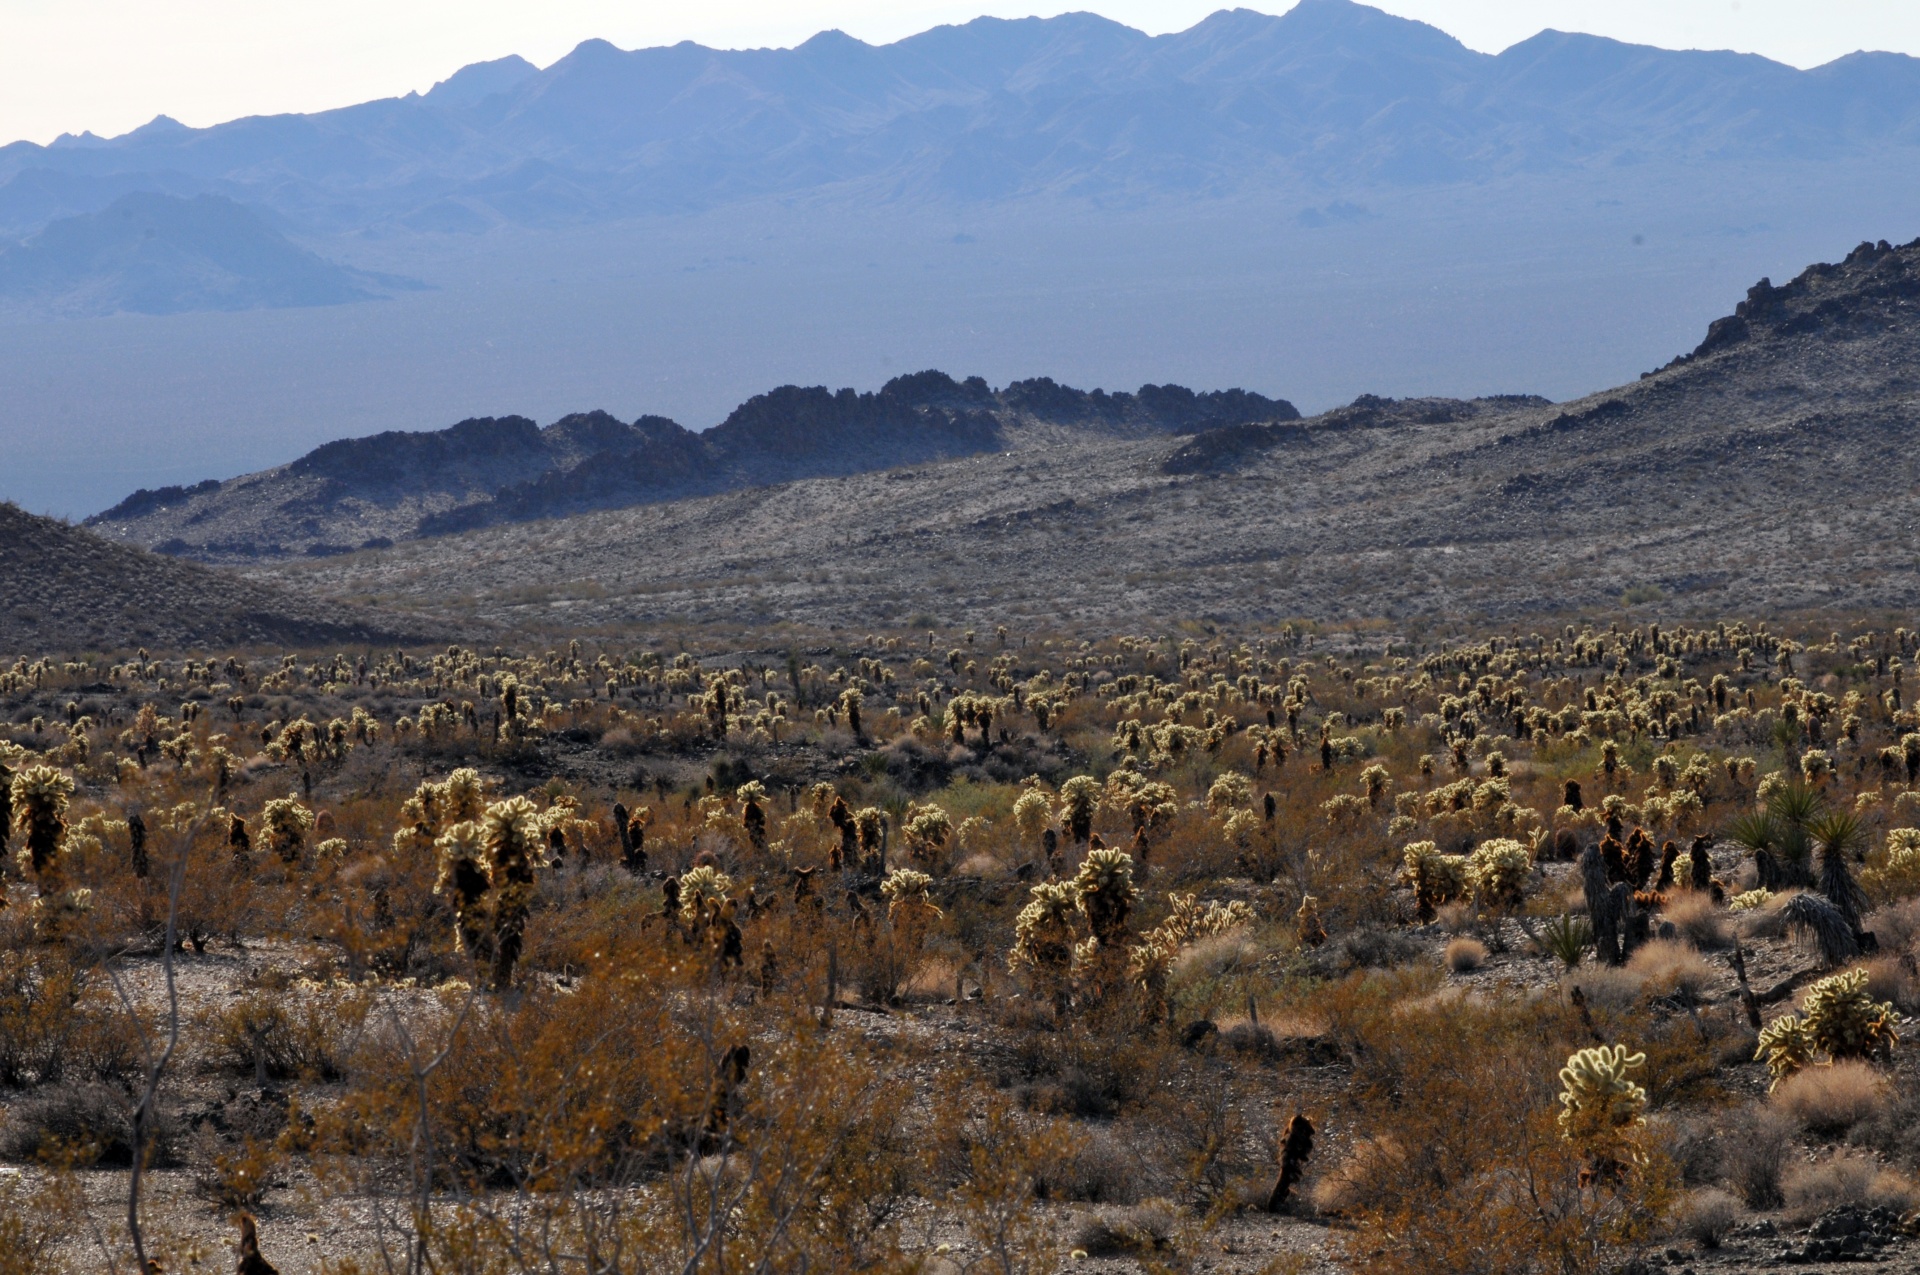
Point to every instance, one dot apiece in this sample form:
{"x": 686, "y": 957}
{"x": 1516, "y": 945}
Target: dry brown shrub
{"x": 1669, "y": 968}
{"x": 1699, "y": 920}
{"x": 1832, "y": 1099}
{"x": 1464, "y": 955}
{"x": 1892, "y": 978}
{"x": 1896, "y": 926}
{"x": 1705, "y": 1217}
{"x": 1476, "y": 1176}
{"x": 1755, "y": 1154}
{"x": 1850, "y": 1177}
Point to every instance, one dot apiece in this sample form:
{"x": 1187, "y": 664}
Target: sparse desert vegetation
{"x": 976, "y": 950}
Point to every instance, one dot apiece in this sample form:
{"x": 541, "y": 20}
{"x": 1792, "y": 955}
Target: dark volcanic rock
{"x": 488, "y": 470}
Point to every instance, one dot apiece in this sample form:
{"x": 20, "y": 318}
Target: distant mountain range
{"x": 148, "y": 253}
{"x": 1329, "y": 95}
{"x": 369, "y": 492}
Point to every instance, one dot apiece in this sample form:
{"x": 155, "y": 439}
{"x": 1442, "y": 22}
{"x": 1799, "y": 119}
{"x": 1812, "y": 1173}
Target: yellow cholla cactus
{"x": 1497, "y": 872}
{"x": 1104, "y": 886}
{"x": 1845, "y": 1022}
{"x": 1231, "y": 791}
{"x": 908, "y": 894}
{"x": 1043, "y": 936}
{"x": 40, "y": 795}
{"x": 1787, "y": 1046}
{"x": 1031, "y": 813}
{"x": 701, "y": 886}
{"x": 1599, "y": 1101}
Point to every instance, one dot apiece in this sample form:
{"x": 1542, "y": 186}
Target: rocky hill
{"x": 1773, "y": 469}
{"x": 370, "y": 492}
{"x": 68, "y": 590}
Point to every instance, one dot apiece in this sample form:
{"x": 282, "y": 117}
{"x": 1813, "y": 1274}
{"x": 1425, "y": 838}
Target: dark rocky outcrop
{"x": 362, "y": 492}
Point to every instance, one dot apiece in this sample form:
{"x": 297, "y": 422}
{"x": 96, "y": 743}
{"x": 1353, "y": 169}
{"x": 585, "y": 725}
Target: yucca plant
{"x": 1838, "y": 835}
{"x": 1567, "y": 938}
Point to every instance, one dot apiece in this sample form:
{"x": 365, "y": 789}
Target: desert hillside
{"x": 1772, "y": 469}
{"x": 67, "y": 589}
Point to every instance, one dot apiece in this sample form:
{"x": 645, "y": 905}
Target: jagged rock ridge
{"x": 370, "y": 492}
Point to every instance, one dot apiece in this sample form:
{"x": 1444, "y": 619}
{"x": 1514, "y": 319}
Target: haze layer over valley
{"x": 1311, "y": 206}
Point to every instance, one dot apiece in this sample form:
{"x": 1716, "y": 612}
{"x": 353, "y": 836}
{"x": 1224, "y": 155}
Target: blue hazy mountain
{"x": 158, "y": 254}
{"x": 1330, "y": 94}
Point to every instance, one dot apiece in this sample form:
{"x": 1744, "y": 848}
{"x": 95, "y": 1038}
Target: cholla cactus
{"x": 753, "y": 812}
{"x": 870, "y": 825}
{"x": 463, "y": 876}
{"x": 700, "y": 888}
{"x": 1898, "y": 874}
{"x": 1079, "y": 800}
{"x": 1031, "y": 813}
{"x": 1787, "y": 1047}
{"x": 1374, "y": 780}
{"x": 907, "y": 891}
{"x": 1845, "y": 1022}
{"x": 1106, "y": 893}
{"x": 1840, "y": 1021}
{"x": 1150, "y": 805}
{"x": 1816, "y": 764}
{"x": 39, "y": 797}
{"x": 462, "y": 796}
{"x": 927, "y": 829}
{"x": 1307, "y": 925}
{"x": 1436, "y": 878}
{"x": 1043, "y": 937}
{"x": 286, "y": 822}
{"x": 511, "y": 831}
{"x": 1497, "y": 873}
{"x": 1231, "y": 791}
{"x": 1600, "y": 1106}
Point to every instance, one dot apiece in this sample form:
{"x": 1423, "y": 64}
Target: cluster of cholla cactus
{"x": 487, "y": 867}
{"x": 1602, "y": 1110}
{"x": 1839, "y": 1020}
{"x": 1494, "y": 875}
{"x": 1187, "y": 922}
{"x": 286, "y": 823}
{"x": 1044, "y": 933}
{"x": 1106, "y": 894}
{"x": 1437, "y": 878}
{"x": 37, "y": 798}
{"x": 926, "y": 830}
{"x": 1079, "y": 802}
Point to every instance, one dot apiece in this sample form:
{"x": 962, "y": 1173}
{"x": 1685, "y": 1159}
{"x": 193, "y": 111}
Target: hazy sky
{"x": 110, "y": 65}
